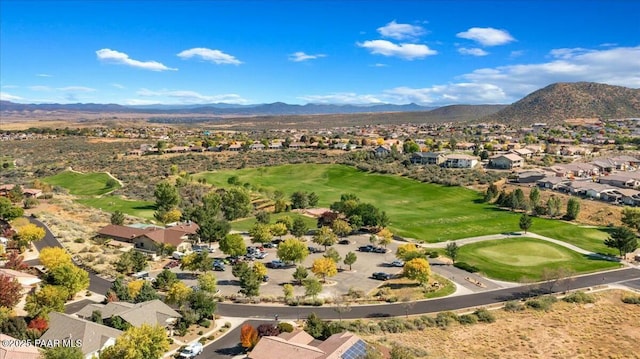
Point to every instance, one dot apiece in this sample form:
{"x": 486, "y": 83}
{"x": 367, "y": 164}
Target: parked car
{"x": 200, "y": 249}
{"x": 261, "y": 255}
{"x": 191, "y": 350}
{"x": 265, "y": 278}
{"x": 276, "y": 264}
{"x": 367, "y": 248}
{"x": 218, "y": 266}
{"x": 270, "y": 245}
{"x": 171, "y": 264}
{"x": 315, "y": 249}
{"x": 397, "y": 263}
{"x": 344, "y": 241}
{"x": 379, "y": 250}
{"x": 381, "y": 276}
{"x": 177, "y": 255}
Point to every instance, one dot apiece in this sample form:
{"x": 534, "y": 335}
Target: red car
{"x": 171, "y": 264}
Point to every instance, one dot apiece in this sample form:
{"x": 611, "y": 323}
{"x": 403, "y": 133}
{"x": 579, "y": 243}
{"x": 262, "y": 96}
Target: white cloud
{"x": 379, "y": 65}
{"x": 215, "y": 56}
{"x": 301, "y": 56}
{"x": 116, "y": 57}
{"x": 76, "y": 89}
{"x": 40, "y": 88}
{"x": 188, "y": 97}
{"x": 401, "y": 31}
{"x": 487, "y": 36}
{"x": 118, "y": 86}
{"x": 459, "y": 93}
{"x": 516, "y": 53}
{"x": 472, "y": 51}
{"x": 405, "y": 51}
{"x": 43, "y": 75}
{"x": 4, "y": 96}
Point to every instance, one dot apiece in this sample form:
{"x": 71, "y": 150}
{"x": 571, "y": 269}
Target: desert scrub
{"x": 579, "y": 297}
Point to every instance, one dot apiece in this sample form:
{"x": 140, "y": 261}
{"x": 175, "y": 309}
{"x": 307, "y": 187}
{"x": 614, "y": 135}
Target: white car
{"x": 191, "y": 350}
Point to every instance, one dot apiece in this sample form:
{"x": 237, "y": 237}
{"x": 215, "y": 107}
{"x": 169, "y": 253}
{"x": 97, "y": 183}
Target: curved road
{"x": 429, "y": 306}
{"x": 96, "y": 284}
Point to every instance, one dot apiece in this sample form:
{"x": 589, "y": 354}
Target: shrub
{"x": 355, "y": 293}
{"x": 631, "y": 299}
{"x": 79, "y": 240}
{"x": 434, "y": 254}
{"x": 444, "y": 319}
{"x": 513, "y": 306}
{"x": 542, "y": 303}
{"x": 285, "y": 327}
{"x": 467, "y": 319}
{"x": 200, "y": 332}
{"x": 484, "y": 316}
{"x": 202, "y": 339}
{"x": 205, "y": 323}
{"x": 579, "y": 297}
{"x": 227, "y": 325}
{"x": 466, "y": 267}
{"x": 394, "y": 325}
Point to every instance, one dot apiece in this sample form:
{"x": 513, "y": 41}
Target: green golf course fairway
{"x": 142, "y": 209}
{"x": 82, "y": 184}
{"x": 520, "y": 259}
{"x": 424, "y": 211}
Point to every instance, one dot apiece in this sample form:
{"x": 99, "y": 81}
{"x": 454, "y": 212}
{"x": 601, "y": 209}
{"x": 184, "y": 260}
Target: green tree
{"x": 573, "y": 208}
{"x": 144, "y": 342}
{"x": 410, "y": 147}
{"x": 165, "y": 279}
{"x": 623, "y": 239}
{"x": 299, "y": 199}
{"x": 236, "y": 203}
{"x": 292, "y": 250}
{"x": 203, "y": 304}
{"x": 213, "y": 229}
{"x": 117, "y": 218}
{"x": 312, "y": 287}
{"x": 350, "y": 258}
{"x": 534, "y": 197}
{"x": 553, "y": 206}
{"x": 146, "y": 293}
{"x": 314, "y": 326}
{"x": 260, "y": 233}
{"x": 7, "y": 211}
{"x": 341, "y": 228}
{"x": 167, "y": 196}
{"x": 313, "y": 199}
{"x": 16, "y": 194}
{"x": 525, "y": 222}
{"x": 63, "y": 352}
{"x": 72, "y": 278}
{"x": 131, "y": 262}
{"x": 300, "y": 274}
{"x": 333, "y": 254}
{"x": 249, "y": 279}
{"x": 287, "y": 291}
{"x": 263, "y": 217}
{"x": 452, "y": 251}
{"x": 325, "y": 237}
{"x": 631, "y": 217}
{"x": 120, "y": 290}
{"x": 233, "y": 245}
{"x": 299, "y": 227}
{"x": 417, "y": 269}
{"x": 50, "y": 298}
{"x": 287, "y": 221}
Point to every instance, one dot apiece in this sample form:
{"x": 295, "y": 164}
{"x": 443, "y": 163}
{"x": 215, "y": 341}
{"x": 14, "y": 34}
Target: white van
{"x": 177, "y": 255}
{"x": 140, "y": 275}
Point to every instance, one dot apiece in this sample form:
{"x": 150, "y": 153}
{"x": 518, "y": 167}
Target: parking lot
{"x": 358, "y": 278}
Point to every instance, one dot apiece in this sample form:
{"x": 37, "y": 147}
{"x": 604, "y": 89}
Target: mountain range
{"x": 555, "y": 103}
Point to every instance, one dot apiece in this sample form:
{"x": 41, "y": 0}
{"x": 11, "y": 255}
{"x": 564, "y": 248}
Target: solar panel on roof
{"x": 357, "y": 350}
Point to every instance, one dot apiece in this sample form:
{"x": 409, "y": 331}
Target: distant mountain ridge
{"x": 276, "y": 108}
{"x": 562, "y": 101}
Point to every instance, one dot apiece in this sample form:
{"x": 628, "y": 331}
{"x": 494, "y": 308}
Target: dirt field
{"x": 606, "y": 329}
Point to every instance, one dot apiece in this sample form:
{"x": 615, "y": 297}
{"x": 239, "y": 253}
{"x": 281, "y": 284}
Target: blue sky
{"x": 245, "y": 52}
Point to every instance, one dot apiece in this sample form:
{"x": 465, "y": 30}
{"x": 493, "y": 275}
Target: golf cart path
{"x": 491, "y": 237}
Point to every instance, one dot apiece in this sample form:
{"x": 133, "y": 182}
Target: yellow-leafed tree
{"x": 30, "y": 233}
{"x": 52, "y": 257}
{"x": 417, "y": 269}
{"x": 144, "y": 342}
{"x": 324, "y": 267}
{"x": 178, "y": 293}
{"x": 134, "y": 287}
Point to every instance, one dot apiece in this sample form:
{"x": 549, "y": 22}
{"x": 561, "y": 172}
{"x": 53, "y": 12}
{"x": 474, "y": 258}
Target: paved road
{"x": 229, "y": 345}
{"x": 429, "y": 306}
{"x": 96, "y": 284}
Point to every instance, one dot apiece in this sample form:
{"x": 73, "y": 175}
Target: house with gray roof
{"x": 153, "y": 312}
{"x": 93, "y": 336}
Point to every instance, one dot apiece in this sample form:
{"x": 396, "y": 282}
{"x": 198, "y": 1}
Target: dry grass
{"x": 606, "y": 329}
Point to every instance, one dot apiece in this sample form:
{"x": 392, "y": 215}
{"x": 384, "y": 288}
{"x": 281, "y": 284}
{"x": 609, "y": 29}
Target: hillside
{"x": 562, "y": 101}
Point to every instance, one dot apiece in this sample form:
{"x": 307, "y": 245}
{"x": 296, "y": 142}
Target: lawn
{"x": 588, "y": 238}
{"x": 245, "y": 224}
{"x": 142, "y": 209}
{"x": 83, "y": 184}
{"x": 424, "y": 211}
{"x": 519, "y": 259}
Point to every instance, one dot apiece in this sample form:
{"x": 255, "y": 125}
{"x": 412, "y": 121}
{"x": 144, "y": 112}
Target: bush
{"x": 444, "y": 319}
{"x": 285, "y": 327}
{"x": 484, "y": 316}
{"x": 579, "y": 297}
{"x": 631, "y": 299}
{"x": 434, "y": 254}
{"x": 227, "y": 325}
{"x": 79, "y": 240}
{"x": 466, "y": 267}
{"x": 205, "y": 323}
{"x": 542, "y": 303}
{"x": 513, "y": 306}
{"x": 467, "y": 319}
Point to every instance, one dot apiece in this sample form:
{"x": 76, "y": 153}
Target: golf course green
{"x": 423, "y": 211}
{"x": 84, "y": 184}
{"x": 523, "y": 258}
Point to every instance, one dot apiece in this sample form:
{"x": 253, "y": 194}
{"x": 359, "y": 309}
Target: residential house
{"x": 381, "y": 151}
{"x": 460, "y": 161}
{"x": 153, "y": 312}
{"x": 17, "y": 351}
{"x": 506, "y": 161}
{"x": 523, "y": 152}
{"x": 576, "y": 170}
{"x": 428, "y": 158}
{"x": 465, "y": 146}
{"x": 236, "y": 147}
{"x": 177, "y": 149}
{"x": 299, "y": 344}
{"x": 122, "y": 233}
{"x": 92, "y": 337}
{"x": 297, "y": 145}
{"x": 622, "y": 180}
{"x": 275, "y": 145}
{"x": 529, "y": 176}
{"x": 552, "y": 183}
{"x": 257, "y": 146}
{"x": 176, "y": 236}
